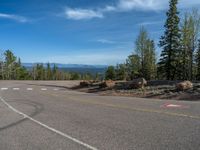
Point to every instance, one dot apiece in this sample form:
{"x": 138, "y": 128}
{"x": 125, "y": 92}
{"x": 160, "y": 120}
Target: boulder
{"x": 107, "y": 84}
{"x": 185, "y": 85}
{"x": 137, "y": 83}
{"x": 85, "y": 83}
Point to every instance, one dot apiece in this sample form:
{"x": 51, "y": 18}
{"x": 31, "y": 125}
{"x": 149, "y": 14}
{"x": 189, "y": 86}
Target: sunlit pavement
{"x": 47, "y": 115}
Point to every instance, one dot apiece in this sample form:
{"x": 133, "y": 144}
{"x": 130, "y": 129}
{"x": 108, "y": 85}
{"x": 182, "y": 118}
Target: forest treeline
{"x": 12, "y": 69}
{"x": 180, "y": 51}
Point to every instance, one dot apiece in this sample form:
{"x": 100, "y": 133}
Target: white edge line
{"x": 47, "y": 127}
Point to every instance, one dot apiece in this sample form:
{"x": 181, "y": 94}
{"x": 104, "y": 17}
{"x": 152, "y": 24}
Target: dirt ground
{"x": 155, "y": 89}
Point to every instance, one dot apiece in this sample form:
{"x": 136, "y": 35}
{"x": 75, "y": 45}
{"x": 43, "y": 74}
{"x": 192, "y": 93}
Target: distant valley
{"x": 79, "y": 68}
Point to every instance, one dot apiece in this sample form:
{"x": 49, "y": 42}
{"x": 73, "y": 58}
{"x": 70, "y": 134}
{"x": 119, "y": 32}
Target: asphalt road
{"x": 48, "y": 116}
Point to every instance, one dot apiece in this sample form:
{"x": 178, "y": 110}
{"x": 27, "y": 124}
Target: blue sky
{"x": 80, "y": 31}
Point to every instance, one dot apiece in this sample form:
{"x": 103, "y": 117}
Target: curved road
{"x": 48, "y": 116}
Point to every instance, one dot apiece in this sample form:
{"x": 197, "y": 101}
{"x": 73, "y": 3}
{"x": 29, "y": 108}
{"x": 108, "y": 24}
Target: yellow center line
{"x": 127, "y": 107}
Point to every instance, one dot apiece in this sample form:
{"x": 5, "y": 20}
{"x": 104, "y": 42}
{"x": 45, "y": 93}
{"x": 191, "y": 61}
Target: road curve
{"x": 49, "y": 116}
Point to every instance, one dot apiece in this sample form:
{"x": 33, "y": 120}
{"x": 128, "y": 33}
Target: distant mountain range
{"x": 66, "y": 65}
{"x": 80, "y": 68}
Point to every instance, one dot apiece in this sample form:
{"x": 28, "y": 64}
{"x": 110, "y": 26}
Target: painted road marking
{"x": 173, "y": 105}
{"x": 29, "y": 89}
{"x": 43, "y": 89}
{"x": 129, "y": 108}
{"x": 47, "y": 127}
{"x": 167, "y": 105}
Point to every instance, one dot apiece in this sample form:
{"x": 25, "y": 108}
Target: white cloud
{"x": 150, "y": 23}
{"x": 127, "y": 5}
{"x": 105, "y": 41}
{"x": 189, "y": 3}
{"x": 14, "y": 17}
{"x": 108, "y": 8}
{"x": 78, "y": 14}
{"x": 155, "y": 5}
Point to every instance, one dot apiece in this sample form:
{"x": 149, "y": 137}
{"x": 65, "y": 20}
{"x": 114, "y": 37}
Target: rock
{"x": 93, "y": 81}
{"x": 85, "y": 83}
{"x": 107, "y": 84}
{"x": 137, "y": 83}
{"x": 185, "y": 85}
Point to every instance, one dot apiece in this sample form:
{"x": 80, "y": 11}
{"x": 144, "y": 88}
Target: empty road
{"x": 48, "y": 116}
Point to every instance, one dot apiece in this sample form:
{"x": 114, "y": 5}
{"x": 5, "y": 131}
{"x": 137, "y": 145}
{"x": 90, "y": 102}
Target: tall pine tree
{"x": 169, "y": 42}
{"x": 198, "y": 62}
{"x": 48, "y": 72}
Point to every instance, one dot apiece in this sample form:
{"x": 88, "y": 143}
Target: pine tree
{"x": 168, "y": 64}
{"x": 40, "y": 72}
{"x": 10, "y": 60}
{"x": 55, "y": 72}
{"x": 48, "y": 72}
{"x": 120, "y": 72}
{"x": 19, "y": 62}
{"x": 18, "y": 69}
{"x": 110, "y": 73}
{"x": 75, "y": 76}
{"x": 87, "y": 76}
{"x": 133, "y": 67}
{"x": 198, "y": 62}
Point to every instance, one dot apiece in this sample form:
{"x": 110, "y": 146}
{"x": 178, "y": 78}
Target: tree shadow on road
{"x": 38, "y": 108}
